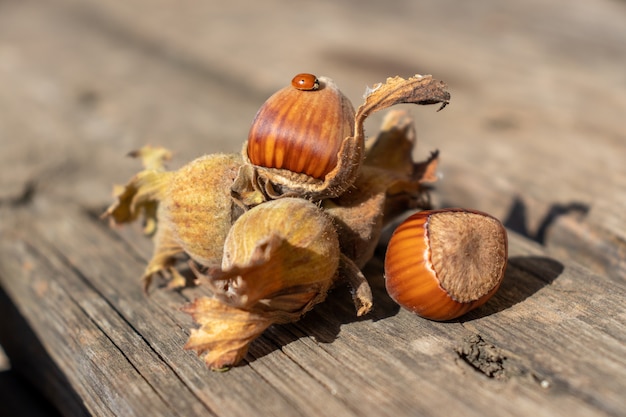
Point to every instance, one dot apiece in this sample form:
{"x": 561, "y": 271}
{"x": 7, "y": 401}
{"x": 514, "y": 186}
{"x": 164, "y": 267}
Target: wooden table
{"x": 535, "y": 135}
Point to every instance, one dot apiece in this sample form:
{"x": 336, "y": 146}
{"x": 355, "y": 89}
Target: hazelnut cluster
{"x": 271, "y": 230}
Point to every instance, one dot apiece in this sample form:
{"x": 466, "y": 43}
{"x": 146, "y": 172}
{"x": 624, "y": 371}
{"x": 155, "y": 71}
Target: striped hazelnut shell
{"x": 301, "y": 127}
{"x": 440, "y": 264}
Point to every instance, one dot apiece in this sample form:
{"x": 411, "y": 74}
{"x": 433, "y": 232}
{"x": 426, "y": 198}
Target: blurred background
{"x": 535, "y": 129}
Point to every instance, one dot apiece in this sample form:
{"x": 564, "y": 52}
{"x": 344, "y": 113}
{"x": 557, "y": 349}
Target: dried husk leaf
{"x": 359, "y": 287}
{"x": 265, "y": 184}
{"x": 166, "y": 255}
{"x": 141, "y": 195}
{"x": 152, "y": 158}
{"x": 383, "y": 190}
{"x": 225, "y": 332}
{"x": 280, "y": 259}
{"x": 393, "y": 146}
{"x": 188, "y": 211}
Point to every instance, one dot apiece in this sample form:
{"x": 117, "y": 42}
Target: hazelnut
{"x": 280, "y": 259}
{"x": 440, "y": 264}
{"x": 301, "y": 127}
{"x": 307, "y": 141}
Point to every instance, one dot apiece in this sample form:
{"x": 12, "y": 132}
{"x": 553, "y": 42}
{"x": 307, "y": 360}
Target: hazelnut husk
{"x": 189, "y": 211}
{"x": 197, "y": 206}
{"x": 270, "y": 155}
{"x": 390, "y": 183}
{"x": 280, "y": 259}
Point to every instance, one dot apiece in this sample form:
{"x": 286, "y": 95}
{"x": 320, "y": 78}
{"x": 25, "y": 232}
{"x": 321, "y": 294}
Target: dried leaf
{"x": 360, "y": 288}
{"x": 381, "y": 192}
{"x": 139, "y": 197}
{"x": 392, "y": 148}
{"x": 225, "y": 332}
{"x": 152, "y": 158}
{"x": 420, "y": 89}
{"x": 164, "y": 259}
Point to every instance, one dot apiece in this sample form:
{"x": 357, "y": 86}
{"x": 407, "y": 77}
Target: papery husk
{"x": 389, "y": 183}
{"x": 256, "y": 184}
{"x": 198, "y": 207}
{"x": 187, "y": 212}
{"x": 141, "y": 195}
{"x": 225, "y": 332}
{"x": 280, "y": 259}
{"x": 406, "y": 182}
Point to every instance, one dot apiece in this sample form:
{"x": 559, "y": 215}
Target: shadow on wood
{"x": 324, "y": 322}
{"x": 517, "y": 218}
{"x": 524, "y": 276}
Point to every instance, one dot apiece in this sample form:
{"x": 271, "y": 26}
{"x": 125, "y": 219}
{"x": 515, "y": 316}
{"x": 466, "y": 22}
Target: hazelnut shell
{"x": 302, "y": 129}
{"x": 441, "y": 264}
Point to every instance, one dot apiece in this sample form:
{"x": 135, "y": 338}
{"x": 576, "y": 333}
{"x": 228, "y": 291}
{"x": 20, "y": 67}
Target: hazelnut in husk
{"x": 308, "y": 142}
{"x": 280, "y": 259}
{"x": 189, "y": 211}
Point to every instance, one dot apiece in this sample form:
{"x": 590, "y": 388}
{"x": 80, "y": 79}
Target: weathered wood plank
{"x": 557, "y": 342}
{"x": 144, "y": 321}
{"x": 96, "y": 367}
{"x": 17, "y": 337}
{"x": 568, "y": 228}
{"x": 534, "y": 135}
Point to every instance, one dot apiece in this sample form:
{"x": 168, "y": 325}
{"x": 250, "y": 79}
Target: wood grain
{"x": 98, "y": 327}
{"x": 534, "y": 135}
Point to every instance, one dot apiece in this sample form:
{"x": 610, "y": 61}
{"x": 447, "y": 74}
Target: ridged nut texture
{"x": 441, "y": 264}
{"x": 301, "y": 127}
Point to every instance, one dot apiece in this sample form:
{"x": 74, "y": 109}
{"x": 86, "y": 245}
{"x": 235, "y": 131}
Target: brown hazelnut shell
{"x": 257, "y": 183}
{"x": 441, "y": 264}
{"x": 301, "y": 130}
